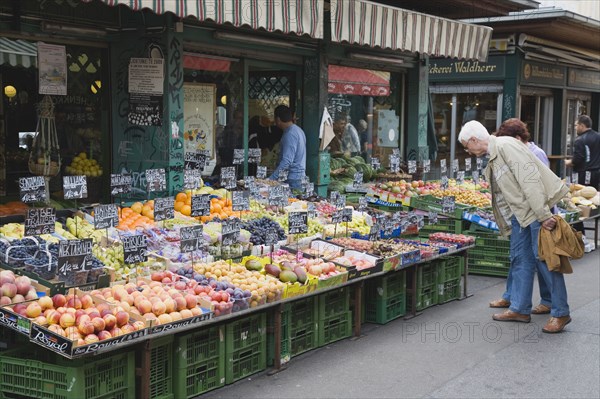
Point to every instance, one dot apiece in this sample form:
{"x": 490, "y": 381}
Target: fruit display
{"x": 579, "y": 195}
{"x": 459, "y": 239}
{"x": 260, "y": 228}
{"x": 15, "y": 289}
{"x": 355, "y": 244}
{"x": 79, "y": 227}
{"x": 465, "y": 196}
{"x": 82, "y": 165}
{"x": 354, "y": 260}
{"x": 343, "y": 170}
{"x": 137, "y": 216}
{"x": 391, "y": 247}
{"x": 13, "y": 208}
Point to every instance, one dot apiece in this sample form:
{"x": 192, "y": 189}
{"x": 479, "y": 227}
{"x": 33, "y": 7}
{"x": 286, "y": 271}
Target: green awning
{"x": 18, "y": 52}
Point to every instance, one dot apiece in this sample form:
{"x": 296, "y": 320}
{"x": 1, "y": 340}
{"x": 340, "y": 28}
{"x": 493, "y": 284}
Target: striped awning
{"x": 376, "y": 25}
{"x": 18, "y": 52}
{"x": 301, "y": 17}
{"x": 359, "y": 82}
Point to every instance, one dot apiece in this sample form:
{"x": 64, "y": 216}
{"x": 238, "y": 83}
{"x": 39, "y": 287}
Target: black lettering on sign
{"x": 412, "y": 167}
{"x": 194, "y": 160}
{"x": 32, "y": 189}
{"x": 74, "y": 256}
{"x": 394, "y": 163}
{"x": 275, "y": 195}
{"x": 120, "y": 183}
{"x": 358, "y": 180}
{"x": 106, "y": 216}
{"x": 156, "y": 180}
{"x": 338, "y": 216}
{"x": 40, "y": 221}
{"x": 240, "y": 201}
{"x": 298, "y": 222}
{"x": 192, "y": 238}
{"x": 135, "y": 248}
{"x": 200, "y": 205}
{"x": 75, "y": 187}
{"x": 164, "y": 208}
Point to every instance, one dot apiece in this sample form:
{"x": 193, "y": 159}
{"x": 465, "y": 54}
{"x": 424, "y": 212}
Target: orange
{"x": 179, "y": 204}
{"x": 181, "y": 197}
{"x": 150, "y": 203}
{"x": 227, "y": 202}
{"x": 215, "y": 208}
{"x": 186, "y": 210}
{"x": 137, "y": 207}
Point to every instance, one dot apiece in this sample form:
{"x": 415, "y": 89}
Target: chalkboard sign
{"x": 479, "y": 163}
{"x": 272, "y": 238}
{"x": 460, "y": 177}
{"x": 444, "y": 182}
{"x": 375, "y": 164}
{"x": 412, "y": 166}
{"x": 337, "y": 216}
{"x": 567, "y": 179}
{"x": 106, "y": 216}
{"x": 120, "y": 183}
{"x": 40, "y": 221}
{"x": 135, "y": 249}
{"x": 74, "y": 256}
{"x": 448, "y": 204}
{"x": 443, "y": 167}
{"x": 333, "y": 196}
{"x": 200, "y": 205}
{"x": 432, "y": 218}
{"x": 388, "y": 227}
{"x": 396, "y": 151}
{"x": 275, "y": 196}
{"x": 374, "y": 233}
{"x": 475, "y": 177}
{"x": 32, "y": 189}
{"x": 308, "y": 189}
{"x": 340, "y": 201}
{"x": 156, "y": 180}
{"x": 358, "y": 179}
{"x": 164, "y": 208}
{"x": 312, "y": 209}
{"x": 588, "y": 177}
{"x": 455, "y": 166}
{"x": 194, "y": 160}
{"x": 75, "y": 187}
{"x": 283, "y": 175}
{"x": 238, "y": 156}
{"x": 468, "y": 164}
{"x": 575, "y": 178}
{"x": 230, "y": 232}
{"x": 297, "y": 222}
{"x": 249, "y": 182}
{"x": 192, "y": 238}
{"x": 254, "y": 155}
{"x": 362, "y": 204}
{"x": 420, "y": 222}
{"x": 191, "y": 179}
{"x": 395, "y": 163}
{"x": 240, "y": 201}
{"x": 261, "y": 172}
{"x": 347, "y": 215}
{"x": 426, "y": 166}
{"x": 228, "y": 177}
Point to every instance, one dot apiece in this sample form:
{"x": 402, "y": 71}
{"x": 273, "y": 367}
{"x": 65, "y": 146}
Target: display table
{"x": 596, "y": 219}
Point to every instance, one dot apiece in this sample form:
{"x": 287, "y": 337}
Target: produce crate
{"x": 433, "y": 204}
{"x": 449, "y": 290}
{"x": 335, "y": 328}
{"x": 285, "y": 337}
{"x": 450, "y": 268}
{"x": 386, "y": 286}
{"x": 304, "y": 321}
{"x": 446, "y": 225}
{"x": 479, "y": 264}
{"x": 28, "y": 372}
{"x": 427, "y": 286}
{"x": 245, "y": 332}
{"x": 334, "y": 302}
{"x": 161, "y": 367}
{"x": 382, "y": 311}
{"x": 199, "y": 362}
{"x": 246, "y": 361}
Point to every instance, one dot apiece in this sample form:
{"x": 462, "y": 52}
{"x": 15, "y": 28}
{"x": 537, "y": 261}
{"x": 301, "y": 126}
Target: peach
{"x": 86, "y": 328}
{"x": 18, "y": 298}
{"x": 158, "y": 308}
{"x": 186, "y": 313}
{"x": 191, "y": 301}
{"x": 33, "y": 310}
{"x": 170, "y": 305}
{"x": 144, "y": 306}
{"x": 122, "y": 318}
{"x": 110, "y": 321}
{"x": 165, "y": 318}
{"x": 5, "y": 300}
{"x": 53, "y": 317}
{"x": 74, "y": 302}
{"x": 67, "y": 320}
{"x": 19, "y": 308}
{"x": 80, "y": 342}
{"x": 41, "y": 320}
{"x": 106, "y": 312}
{"x": 71, "y": 330}
{"x": 125, "y": 305}
{"x": 99, "y": 324}
{"x": 139, "y": 325}
{"x": 196, "y": 311}
{"x": 180, "y": 303}
{"x": 135, "y": 311}
{"x": 82, "y": 319}
{"x": 102, "y": 335}
{"x": 86, "y": 301}
{"x": 93, "y": 314}
{"x": 115, "y": 332}
{"x": 127, "y": 329}
{"x": 55, "y": 328}
{"x": 74, "y": 336}
{"x": 149, "y": 316}
{"x": 91, "y": 338}
{"x": 46, "y": 303}
{"x": 47, "y": 312}
{"x": 175, "y": 316}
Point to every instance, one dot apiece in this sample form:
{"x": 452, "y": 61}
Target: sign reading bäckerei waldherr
{"x": 451, "y": 70}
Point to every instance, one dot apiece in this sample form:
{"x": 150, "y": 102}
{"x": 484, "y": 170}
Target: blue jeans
{"x": 524, "y": 262}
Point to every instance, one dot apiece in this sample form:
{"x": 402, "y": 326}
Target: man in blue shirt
{"x": 292, "y": 154}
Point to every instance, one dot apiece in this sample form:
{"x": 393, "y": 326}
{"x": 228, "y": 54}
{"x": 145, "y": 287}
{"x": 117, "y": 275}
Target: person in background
{"x": 516, "y": 128}
{"x": 292, "y": 156}
{"x": 339, "y": 126}
{"x": 523, "y": 192}
{"x": 363, "y": 136}
{"x": 586, "y": 152}
{"x": 350, "y": 141}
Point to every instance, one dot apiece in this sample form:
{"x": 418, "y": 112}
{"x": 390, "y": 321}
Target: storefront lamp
{"x": 95, "y": 87}
{"x": 10, "y": 91}
{"x": 224, "y": 100}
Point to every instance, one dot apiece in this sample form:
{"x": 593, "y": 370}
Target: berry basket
{"x": 43, "y": 264}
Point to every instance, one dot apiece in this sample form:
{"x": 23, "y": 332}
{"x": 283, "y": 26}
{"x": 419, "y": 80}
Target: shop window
{"x": 536, "y": 112}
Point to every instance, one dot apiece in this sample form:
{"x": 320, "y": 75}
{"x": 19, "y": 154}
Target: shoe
{"x": 509, "y": 315}
{"x": 556, "y": 324}
{"x": 540, "y": 309}
{"x": 500, "y": 303}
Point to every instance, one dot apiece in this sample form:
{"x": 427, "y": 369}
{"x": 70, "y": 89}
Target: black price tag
{"x": 191, "y": 179}
{"x": 228, "y": 177}
{"x": 74, "y": 256}
{"x": 575, "y": 178}
{"x": 412, "y": 167}
{"x": 240, "y": 201}
{"x": 455, "y": 166}
{"x": 374, "y": 233}
{"x": 308, "y": 189}
{"x": 340, "y": 201}
{"x": 432, "y": 218}
{"x": 135, "y": 248}
{"x": 230, "y": 232}
{"x": 395, "y": 163}
{"x": 388, "y": 227}
{"x": 156, "y": 180}
{"x": 347, "y": 215}
{"x": 75, "y": 187}
{"x": 106, "y": 216}
{"x": 362, "y": 204}
{"x": 194, "y": 160}
{"x": 375, "y": 164}
{"x": 200, "y": 205}
{"x": 238, "y": 156}
{"x": 443, "y": 167}
{"x": 333, "y": 196}
{"x": 479, "y": 163}
{"x": 337, "y": 216}
{"x": 164, "y": 208}
{"x": 120, "y": 183}
{"x": 420, "y": 222}
{"x": 468, "y": 164}
{"x": 475, "y": 177}
{"x": 261, "y": 172}
{"x": 254, "y": 155}
{"x": 588, "y": 177}
{"x": 276, "y": 196}
{"x": 249, "y": 182}
{"x": 396, "y": 151}
{"x": 32, "y": 189}
{"x": 192, "y": 238}
{"x": 460, "y": 177}
{"x": 448, "y": 204}
{"x": 272, "y": 238}
{"x": 297, "y": 223}
{"x": 444, "y": 182}
{"x": 283, "y": 175}
{"x": 358, "y": 180}
{"x": 312, "y": 210}
{"x": 40, "y": 221}
{"x": 426, "y": 166}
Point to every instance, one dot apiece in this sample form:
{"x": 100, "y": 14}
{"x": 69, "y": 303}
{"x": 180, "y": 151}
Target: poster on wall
{"x": 199, "y": 108}
{"x": 146, "y": 82}
{"x": 52, "y": 64}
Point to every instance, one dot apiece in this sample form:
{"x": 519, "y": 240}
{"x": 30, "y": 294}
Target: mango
{"x": 301, "y": 274}
{"x": 273, "y": 270}
{"x": 288, "y": 276}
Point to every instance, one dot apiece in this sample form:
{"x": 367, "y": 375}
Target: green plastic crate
{"x": 382, "y": 311}
{"x": 449, "y": 268}
{"x": 285, "y": 337}
{"x": 304, "y": 319}
{"x": 303, "y": 339}
{"x": 427, "y": 286}
{"x": 246, "y": 361}
{"x": 488, "y": 268}
{"x": 161, "y": 367}
{"x": 199, "y": 362}
{"x": 335, "y": 328}
{"x": 447, "y": 225}
{"x": 427, "y": 274}
{"x": 433, "y": 204}
{"x": 245, "y": 332}
{"x": 391, "y": 284}
{"x": 334, "y": 303}
{"x": 449, "y": 291}
{"x": 30, "y": 372}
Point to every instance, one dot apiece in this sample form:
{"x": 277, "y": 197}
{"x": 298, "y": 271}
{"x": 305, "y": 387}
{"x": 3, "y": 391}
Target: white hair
{"x": 362, "y": 124}
{"x": 473, "y": 129}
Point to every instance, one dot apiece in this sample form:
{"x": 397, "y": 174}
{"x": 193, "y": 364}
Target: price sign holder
{"x": 254, "y": 155}
{"x": 340, "y": 202}
{"x": 120, "y": 183}
{"x": 448, "y": 204}
{"x": 194, "y": 160}
{"x": 374, "y": 232}
{"x": 40, "y": 221}
{"x": 375, "y": 164}
{"x": 261, "y": 172}
{"x": 230, "y": 232}
{"x": 75, "y": 187}
{"x": 394, "y": 163}
{"x": 412, "y": 167}
{"x": 283, "y": 175}
{"x": 191, "y": 240}
{"x": 33, "y": 189}
{"x": 298, "y": 222}
{"x": 475, "y": 177}
{"x": 238, "y": 156}
{"x": 333, "y": 196}
{"x": 228, "y": 177}
{"x": 588, "y": 177}
{"x": 454, "y": 166}
{"x": 240, "y": 201}
{"x": 200, "y": 205}
{"x": 135, "y": 249}
{"x": 347, "y": 217}
{"x": 426, "y": 166}
{"x": 156, "y": 180}
{"x": 74, "y": 256}
{"x": 479, "y": 163}
{"x": 164, "y": 209}
{"x": 443, "y": 166}
{"x": 105, "y": 216}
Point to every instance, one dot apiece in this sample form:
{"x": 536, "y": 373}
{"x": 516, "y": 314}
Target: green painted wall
{"x": 416, "y": 116}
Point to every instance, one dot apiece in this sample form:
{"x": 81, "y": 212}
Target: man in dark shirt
{"x": 586, "y": 153}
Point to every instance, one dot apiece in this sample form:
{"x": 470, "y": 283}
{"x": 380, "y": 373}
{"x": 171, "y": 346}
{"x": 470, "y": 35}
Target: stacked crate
{"x": 427, "y": 286}
{"x": 245, "y": 347}
{"x": 491, "y": 255}
{"x": 335, "y": 317}
{"x": 385, "y": 298}
{"x": 449, "y": 278}
{"x": 161, "y": 367}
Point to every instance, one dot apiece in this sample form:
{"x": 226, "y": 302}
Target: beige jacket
{"x": 522, "y": 182}
{"x": 557, "y": 246}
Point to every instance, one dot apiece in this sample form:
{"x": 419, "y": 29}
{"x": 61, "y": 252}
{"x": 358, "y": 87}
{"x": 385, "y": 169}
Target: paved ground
{"x": 454, "y": 350}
